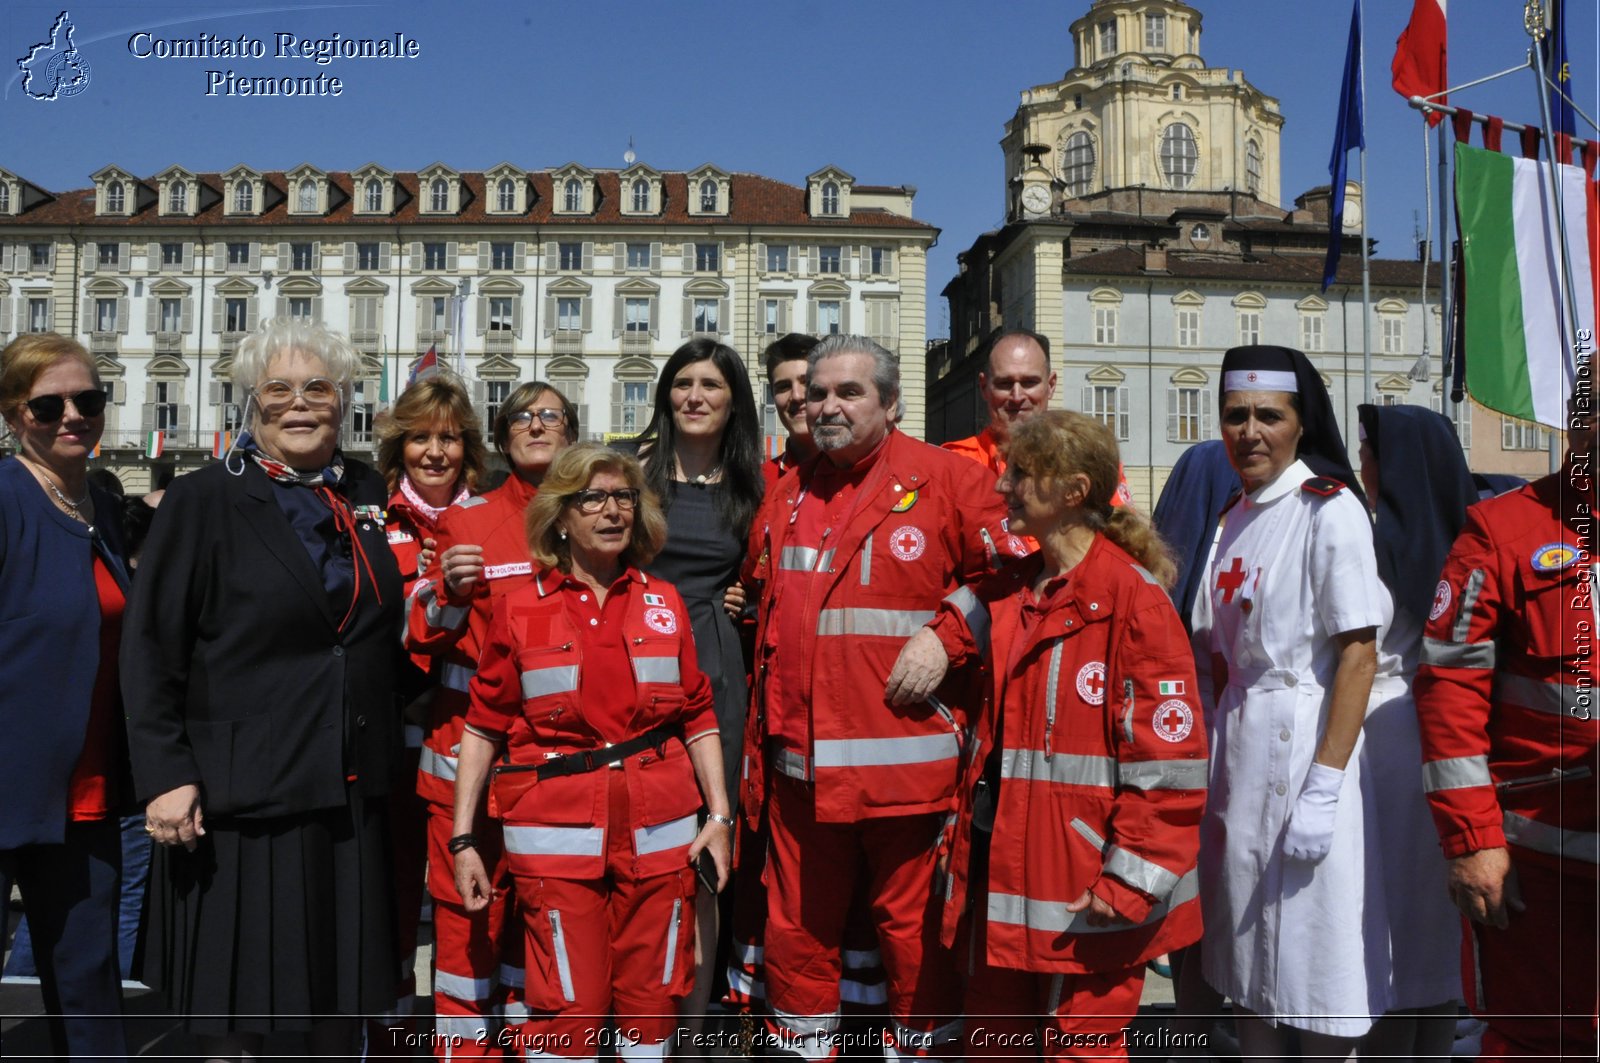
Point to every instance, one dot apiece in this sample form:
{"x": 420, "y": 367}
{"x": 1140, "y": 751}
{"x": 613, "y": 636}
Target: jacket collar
{"x": 1287, "y": 481}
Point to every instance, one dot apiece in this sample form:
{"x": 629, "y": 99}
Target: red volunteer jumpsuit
{"x": 774, "y": 469}
{"x": 1099, "y": 754}
{"x": 408, "y": 812}
{"x": 984, "y": 449}
{"x": 854, "y": 562}
{"x": 599, "y": 858}
{"x": 1508, "y": 712}
{"x": 473, "y": 959}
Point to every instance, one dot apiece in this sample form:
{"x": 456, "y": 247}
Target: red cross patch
{"x": 1230, "y": 580}
{"x": 907, "y": 542}
{"x": 1092, "y": 683}
{"x": 662, "y": 620}
{"x": 1441, "y": 600}
{"x": 1173, "y": 721}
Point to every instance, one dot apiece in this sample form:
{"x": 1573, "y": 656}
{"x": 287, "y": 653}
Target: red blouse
{"x": 89, "y": 792}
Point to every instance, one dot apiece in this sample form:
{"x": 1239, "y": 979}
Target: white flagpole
{"x": 1366, "y": 205}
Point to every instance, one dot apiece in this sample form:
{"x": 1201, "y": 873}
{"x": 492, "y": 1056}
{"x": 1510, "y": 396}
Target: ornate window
{"x": 307, "y": 201}
{"x": 641, "y": 195}
{"x": 1155, "y": 32}
{"x": 507, "y": 193}
{"x": 1252, "y": 167}
{"x": 374, "y": 200}
{"x": 439, "y": 195}
{"x": 178, "y": 197}
{"x": 830, "y": 198}
{"x": 244, "y": 197}
{"x": 1077, "y": 164}
{"x": 1179, "y": 155}
{"x": 708, "y": 196}
{"x": 572, "y": 195}
{"x": 114, "y": 198}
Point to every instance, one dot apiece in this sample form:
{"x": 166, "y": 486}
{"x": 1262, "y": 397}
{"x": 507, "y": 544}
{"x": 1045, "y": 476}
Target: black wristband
{"x": 462, "y": 841}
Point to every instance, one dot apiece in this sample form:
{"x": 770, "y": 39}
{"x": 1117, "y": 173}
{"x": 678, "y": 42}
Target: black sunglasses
{"x": 48, "y": 409}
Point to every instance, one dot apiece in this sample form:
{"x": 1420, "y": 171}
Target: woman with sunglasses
{"x": 481, "y": 555}
{"x": 258, "y": 665}
{"x": 63, "y": 584}
{"x": 588, "y": 679}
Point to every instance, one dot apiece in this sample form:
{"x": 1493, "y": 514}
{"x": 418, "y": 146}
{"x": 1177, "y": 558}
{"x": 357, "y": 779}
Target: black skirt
{"x": 272, "y": 925}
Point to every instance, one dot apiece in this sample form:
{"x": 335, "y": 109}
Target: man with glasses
{"x": 481, "y": 555}
{"x": 1509, "y": 716}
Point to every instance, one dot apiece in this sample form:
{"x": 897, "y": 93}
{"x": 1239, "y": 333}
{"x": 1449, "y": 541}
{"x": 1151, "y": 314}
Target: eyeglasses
{"x": 523, "y": 422}
{"x": 275, "y": 396}
{"x": 593, "y": 500}
{"x": 48, "y": 409}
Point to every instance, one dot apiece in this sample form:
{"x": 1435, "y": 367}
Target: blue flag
{"x": 1557, "y": 72}
{"x": 1347, "y": 134}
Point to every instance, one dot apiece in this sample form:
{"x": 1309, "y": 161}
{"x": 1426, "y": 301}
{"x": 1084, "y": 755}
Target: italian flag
{"x": 1170, "y": 687}
{"x": 1519, "y": 334}
{"x": 155, "y": 443}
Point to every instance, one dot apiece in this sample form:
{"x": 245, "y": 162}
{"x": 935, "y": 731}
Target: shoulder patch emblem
{"x": 1092, "y": 683}
{"x": 1553, "y": 557}
{"x": 475, "y": 500}
{"x": 907, "y": 500}
{"x": 907, "y": 542}
{"x": 1322, "y": 486}
{"x": 662, "y": 620}
{"x": 655, "y": 599}
{"x": 1173, "y": 721}
{"x": 1441, "y": 600}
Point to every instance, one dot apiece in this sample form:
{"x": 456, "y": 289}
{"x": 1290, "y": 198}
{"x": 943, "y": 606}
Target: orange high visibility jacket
{"x": 1505, "y": 690}
{"x": 452, "y": 628}
{"x": 526, "y": 688}
{"x": 926, "y": 524}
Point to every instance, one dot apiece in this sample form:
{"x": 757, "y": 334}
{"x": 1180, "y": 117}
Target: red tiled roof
{"x": 753, "y": 200}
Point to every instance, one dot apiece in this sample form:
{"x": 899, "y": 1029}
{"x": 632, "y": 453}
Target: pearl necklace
{"x": 74, "y": 509}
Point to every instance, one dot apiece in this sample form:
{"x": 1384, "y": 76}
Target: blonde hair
{"x": 1057, "y": 444}
{"x": 436, "y": 400}
{"x": 572, "y": 471}
{"x": 25, "y": 359}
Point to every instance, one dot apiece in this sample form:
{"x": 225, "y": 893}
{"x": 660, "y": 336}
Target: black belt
{"x": 593, "y": 759}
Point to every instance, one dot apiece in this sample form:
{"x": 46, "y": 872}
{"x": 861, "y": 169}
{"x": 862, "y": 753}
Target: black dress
{"x": 250, "y": 668}
{"x": 701, "y": 559}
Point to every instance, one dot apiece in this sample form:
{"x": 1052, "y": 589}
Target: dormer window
{"x": 830, "y": 198}
{"x": 439, "y": 195}
{"x": 506, "y": 195}
{"x": 641, "y": 195}
{"x": 244, "y": 197}
{"x": 708, "y": 196}
{"x": 178, "y": 198}
{"x": 5, "y": 198}
{"x": 572, "y": 195}
{"x": 374, "y": 195}
{"x": 306, "y": 197}
{"x": 114, "y": 198}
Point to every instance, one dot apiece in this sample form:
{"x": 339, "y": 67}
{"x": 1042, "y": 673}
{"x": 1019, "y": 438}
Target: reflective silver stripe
{"x": 1469, "y": 600}
{"x": 745, "y": 952}
{"x": 635, "y": 1052}
{"x": 1089, "y": 834}
{"x": 437, "y": 764}
{"x": 539, "y": 682}
{"x": 1443, "y": 654}
{"x": 514, "y": 1012}
{"x": 555, "y": 841}
{"x": 788, "y": 762}
{"x": 1162, "y": 774}
{"x": 655, "y": 669}
{"x": 465, "y": 1027}
{"x": 462, "y": 986}
{"x": 797, "y": 559}
{"x": 1057, "y": 983}
{"x": 1051, "y": 684}
{"x": 1547, "y": 838}
{"x": 860, "y": 957}
{"x": 803, "y": 1035}
{"x": 975, "y": 612}
{"x": 455, "y": 677}
{"x": 866, "y": 561}
{"x": 825, "y": 561}
{"x": 895, "y": 623}
{"x": 1139, "y": 873}
{"x": 1146, "y": 575}
{"x": 1558, "y": 699}
{"x": 879, "y": 752}
{"x": 563, "y": 965}
{"x": 445, "y": 617}
{"x": 1455, "y": 773}
{"x": 855, "y": 991}
{"x": 513, "y": 976}
{"x": 663, "y": 836}
{"x": 1052, "y": 917}
{"x": 1066, "y": 769}
{"x": 672, "y": 941}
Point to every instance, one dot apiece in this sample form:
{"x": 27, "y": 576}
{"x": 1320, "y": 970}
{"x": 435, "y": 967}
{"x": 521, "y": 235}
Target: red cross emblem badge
{"x": 1441, "y": 600}
{"x": 1230, "y": 580}
{"x": 1092, "y": 683}
{"x": 907, "y": 542}
{"x": 1173, "y": 721}
{"x": 662, "y": 620}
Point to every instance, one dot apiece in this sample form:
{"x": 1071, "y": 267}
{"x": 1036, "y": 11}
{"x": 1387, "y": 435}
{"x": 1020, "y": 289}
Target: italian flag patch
{"x": 654, "y": 599}
{"x": 1169, "y": 687}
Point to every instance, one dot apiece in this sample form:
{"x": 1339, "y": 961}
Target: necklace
{"x": 711, "y": 475}
{"x": 74, "y": 509}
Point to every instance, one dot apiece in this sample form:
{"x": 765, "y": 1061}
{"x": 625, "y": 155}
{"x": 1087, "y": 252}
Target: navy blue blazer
{"x": 234, "y": 670}
{"x": 49, "y": 648}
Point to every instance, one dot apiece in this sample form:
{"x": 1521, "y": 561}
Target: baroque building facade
{"x": 1145, "y": 234}
{"x": 586, "y": 278}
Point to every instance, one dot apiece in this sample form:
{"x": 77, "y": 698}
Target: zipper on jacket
{"x": 1089, "y": 834}
{"x": 563, "y": 966}
{"x": 1127, "y": 711}
{"x": 1551, "y": 777}
{"x": 989, "y": 551}
{"x": 1053, "y": 673}
{"x": 672, "y": 941}
{"x": 866, "y": 561}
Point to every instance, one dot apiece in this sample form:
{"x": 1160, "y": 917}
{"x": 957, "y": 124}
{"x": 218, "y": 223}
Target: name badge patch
{"x": 516, "y": 568}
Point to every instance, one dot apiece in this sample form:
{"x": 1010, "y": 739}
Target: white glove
{"x": 1310, "y": 833}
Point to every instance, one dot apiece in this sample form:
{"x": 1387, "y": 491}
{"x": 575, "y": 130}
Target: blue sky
{"x": 893, "y": 91}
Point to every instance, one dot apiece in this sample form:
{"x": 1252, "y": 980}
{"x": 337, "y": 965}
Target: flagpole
{"x": 1366, "y": 205}
{"x": 1535, "y": 28}
{"x": 1446, "y": 289}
